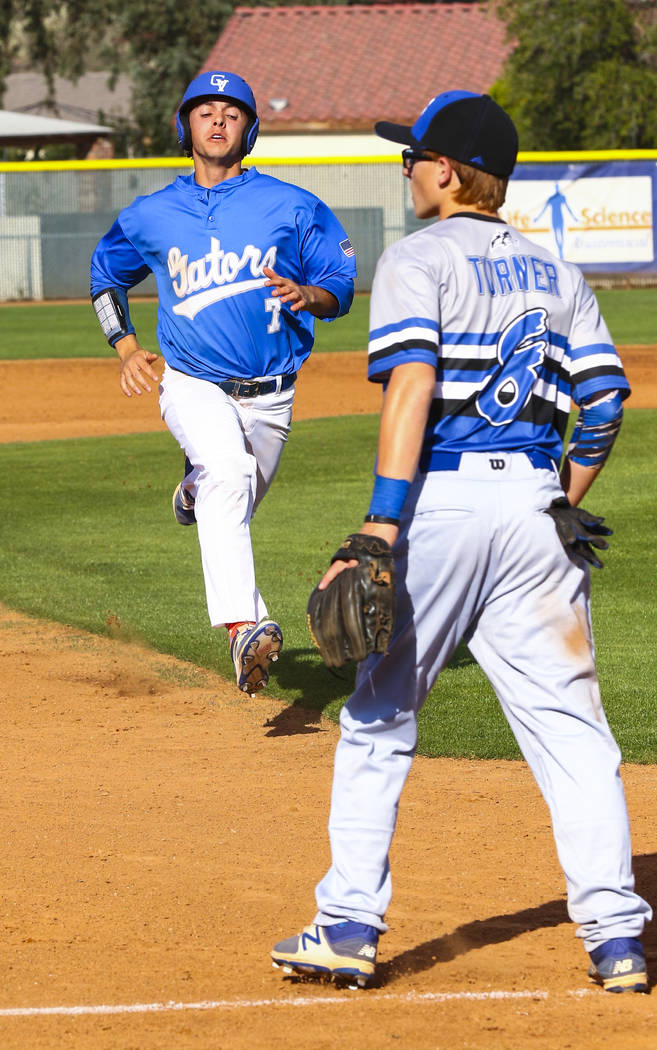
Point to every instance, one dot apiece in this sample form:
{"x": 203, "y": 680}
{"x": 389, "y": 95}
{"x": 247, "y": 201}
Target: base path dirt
{"x": 161, "y": 831}
{"x": 46, "y": 400}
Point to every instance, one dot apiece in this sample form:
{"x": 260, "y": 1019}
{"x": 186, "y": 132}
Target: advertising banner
{"x": 599, "y": 216}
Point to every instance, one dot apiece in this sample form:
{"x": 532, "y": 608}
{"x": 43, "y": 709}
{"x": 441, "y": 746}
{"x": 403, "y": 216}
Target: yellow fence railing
{"x": 119, "y": 163}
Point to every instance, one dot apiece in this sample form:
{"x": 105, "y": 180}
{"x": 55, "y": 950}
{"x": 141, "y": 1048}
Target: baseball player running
{"x": 481, "y": 338}
{"x": 244, "y": 263}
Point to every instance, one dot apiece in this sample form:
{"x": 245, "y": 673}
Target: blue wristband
{"x": 388, "y": 497}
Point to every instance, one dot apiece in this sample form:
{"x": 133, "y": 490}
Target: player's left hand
{"x": 579, "y": 530}
{"x": 297, "y": 296}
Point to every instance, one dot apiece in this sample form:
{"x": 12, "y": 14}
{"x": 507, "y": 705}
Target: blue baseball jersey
{"x": 513, "y": 332}
{"x": 207, "y": 249}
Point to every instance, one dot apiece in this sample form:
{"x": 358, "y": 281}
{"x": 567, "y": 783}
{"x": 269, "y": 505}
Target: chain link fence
{"x": 53, "y": 215}
{"x": 51, "y": 220}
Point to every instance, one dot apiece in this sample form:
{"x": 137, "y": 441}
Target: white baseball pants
{"x": 479, "y": 560}
{"x": 235, "y": 447}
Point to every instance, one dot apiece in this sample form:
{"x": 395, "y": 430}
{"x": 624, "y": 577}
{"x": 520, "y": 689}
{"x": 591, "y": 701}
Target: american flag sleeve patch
{"x": 347, "y": 248}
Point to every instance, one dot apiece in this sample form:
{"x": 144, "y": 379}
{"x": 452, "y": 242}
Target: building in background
{"x": 86, "y": 106}
{"x": 322, "y": 76}
{"x": 26, "y": 131}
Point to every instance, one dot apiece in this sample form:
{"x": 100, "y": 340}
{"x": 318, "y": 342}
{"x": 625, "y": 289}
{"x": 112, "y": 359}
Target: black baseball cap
{"x": 467, "y": 127}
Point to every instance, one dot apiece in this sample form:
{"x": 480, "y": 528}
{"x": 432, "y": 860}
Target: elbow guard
{"x": 111, "y": 306}
{"x": 596, "y": 429}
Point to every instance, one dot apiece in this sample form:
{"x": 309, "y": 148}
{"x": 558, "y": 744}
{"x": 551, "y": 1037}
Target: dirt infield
{"x": 161, "y": 832}
{"x": 46, "y": 400}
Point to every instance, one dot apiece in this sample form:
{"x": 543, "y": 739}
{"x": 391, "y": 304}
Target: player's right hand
{"x": 389, "y": 533}
{"x": 136, "y": 370}
{"x": 334, "y": 570}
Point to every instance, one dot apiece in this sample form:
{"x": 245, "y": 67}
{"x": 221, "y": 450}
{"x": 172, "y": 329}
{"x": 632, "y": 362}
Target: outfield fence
{"x": 597, "y": 209}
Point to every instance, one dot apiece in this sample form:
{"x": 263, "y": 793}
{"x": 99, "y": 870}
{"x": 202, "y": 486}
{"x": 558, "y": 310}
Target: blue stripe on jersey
{"x": 592, "y": 348}
{"x": 598, "y": 382}
{"x": 596, "y": 368}
{"x": 491, "y": 338}
{"x": 473, "y": 434}
{"x": 469, "y": 338}
{"x": 408, "y": 322}
{"x": 556, "y": 339}
{"x": 379, "y": 367}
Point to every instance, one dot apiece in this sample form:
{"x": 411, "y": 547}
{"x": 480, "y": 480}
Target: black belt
{"x": 256, "y": 387}
{"x": 435, "y": 460}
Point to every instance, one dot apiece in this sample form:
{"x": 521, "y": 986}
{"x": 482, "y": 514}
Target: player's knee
{"x": 232, "y": 476}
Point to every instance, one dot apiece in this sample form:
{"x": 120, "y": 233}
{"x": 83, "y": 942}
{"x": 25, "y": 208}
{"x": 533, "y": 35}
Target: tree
{"x": 582, "y": 75}
{"x": 50, "y": 37}
{"x": 159, "y": 44}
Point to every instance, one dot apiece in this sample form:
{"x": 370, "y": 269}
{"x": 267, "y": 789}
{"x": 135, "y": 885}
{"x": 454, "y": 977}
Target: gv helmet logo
{"x": 218, "y": 81}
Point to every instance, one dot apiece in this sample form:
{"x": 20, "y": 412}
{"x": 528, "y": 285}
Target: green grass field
{"x": 121, "y": 558}
{"x": 72, "y": 330}
{"x": 89, "y": 540}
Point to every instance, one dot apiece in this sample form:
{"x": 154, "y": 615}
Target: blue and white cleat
{"x": 345, "y": 952}
{"x": 619, "y": 965}
{"x": 183, "y": 506}
{"x": 253, "y": 648}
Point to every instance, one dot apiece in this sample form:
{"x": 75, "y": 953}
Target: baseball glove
{"x": 578, "y": 530}
{"x": 355, "y": 614}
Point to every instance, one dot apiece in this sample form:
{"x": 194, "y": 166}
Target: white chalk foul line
{"x": 249, "y": 1004}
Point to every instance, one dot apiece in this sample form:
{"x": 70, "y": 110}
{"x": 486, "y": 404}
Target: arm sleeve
{"x": 596, "y": 430}
{"x": 328, "y": 257}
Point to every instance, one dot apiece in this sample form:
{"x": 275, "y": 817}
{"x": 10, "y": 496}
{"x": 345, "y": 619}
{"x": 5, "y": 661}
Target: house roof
{"x": 80, "y": 100}
{"x": 22, "y": 129}
{"x": 319, "y": 68}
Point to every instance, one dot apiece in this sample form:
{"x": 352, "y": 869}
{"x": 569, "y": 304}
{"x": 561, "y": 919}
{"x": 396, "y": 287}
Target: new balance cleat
{"x": 183, "y": 506}
{"x": 619, "y": 965}
{"x": 345, "y": 952}
{"x": 253, "y": 648}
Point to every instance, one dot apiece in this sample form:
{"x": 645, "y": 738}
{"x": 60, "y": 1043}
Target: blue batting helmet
{"x": 215, "y": 85}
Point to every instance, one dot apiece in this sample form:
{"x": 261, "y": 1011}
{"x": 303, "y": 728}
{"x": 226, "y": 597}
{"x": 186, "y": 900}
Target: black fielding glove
{"x": 354, "y": 616}
{"x": 578, "y": 530}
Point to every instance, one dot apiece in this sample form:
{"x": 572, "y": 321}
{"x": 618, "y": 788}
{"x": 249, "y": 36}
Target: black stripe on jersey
{"x": 537, "y": 411}
{"x": 543, "y": 412}
{"x": 409, "y": 344}
{"x": 594, "y": 373}
{"x": 549, "y": 369}
{"x": 466, "y": 364}
{"x": 555, "y": 369}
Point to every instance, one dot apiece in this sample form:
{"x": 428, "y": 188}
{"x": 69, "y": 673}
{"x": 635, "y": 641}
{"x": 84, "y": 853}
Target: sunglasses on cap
{"x": 410, "y": 156}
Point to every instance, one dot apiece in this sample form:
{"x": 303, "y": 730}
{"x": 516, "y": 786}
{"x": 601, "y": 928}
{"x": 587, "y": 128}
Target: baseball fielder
{"x": 244, "y": 263}
{"x": 481, "y": 338}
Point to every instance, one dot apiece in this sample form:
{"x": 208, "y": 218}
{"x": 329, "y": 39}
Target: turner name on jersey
{"x": 518, "y": 273}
